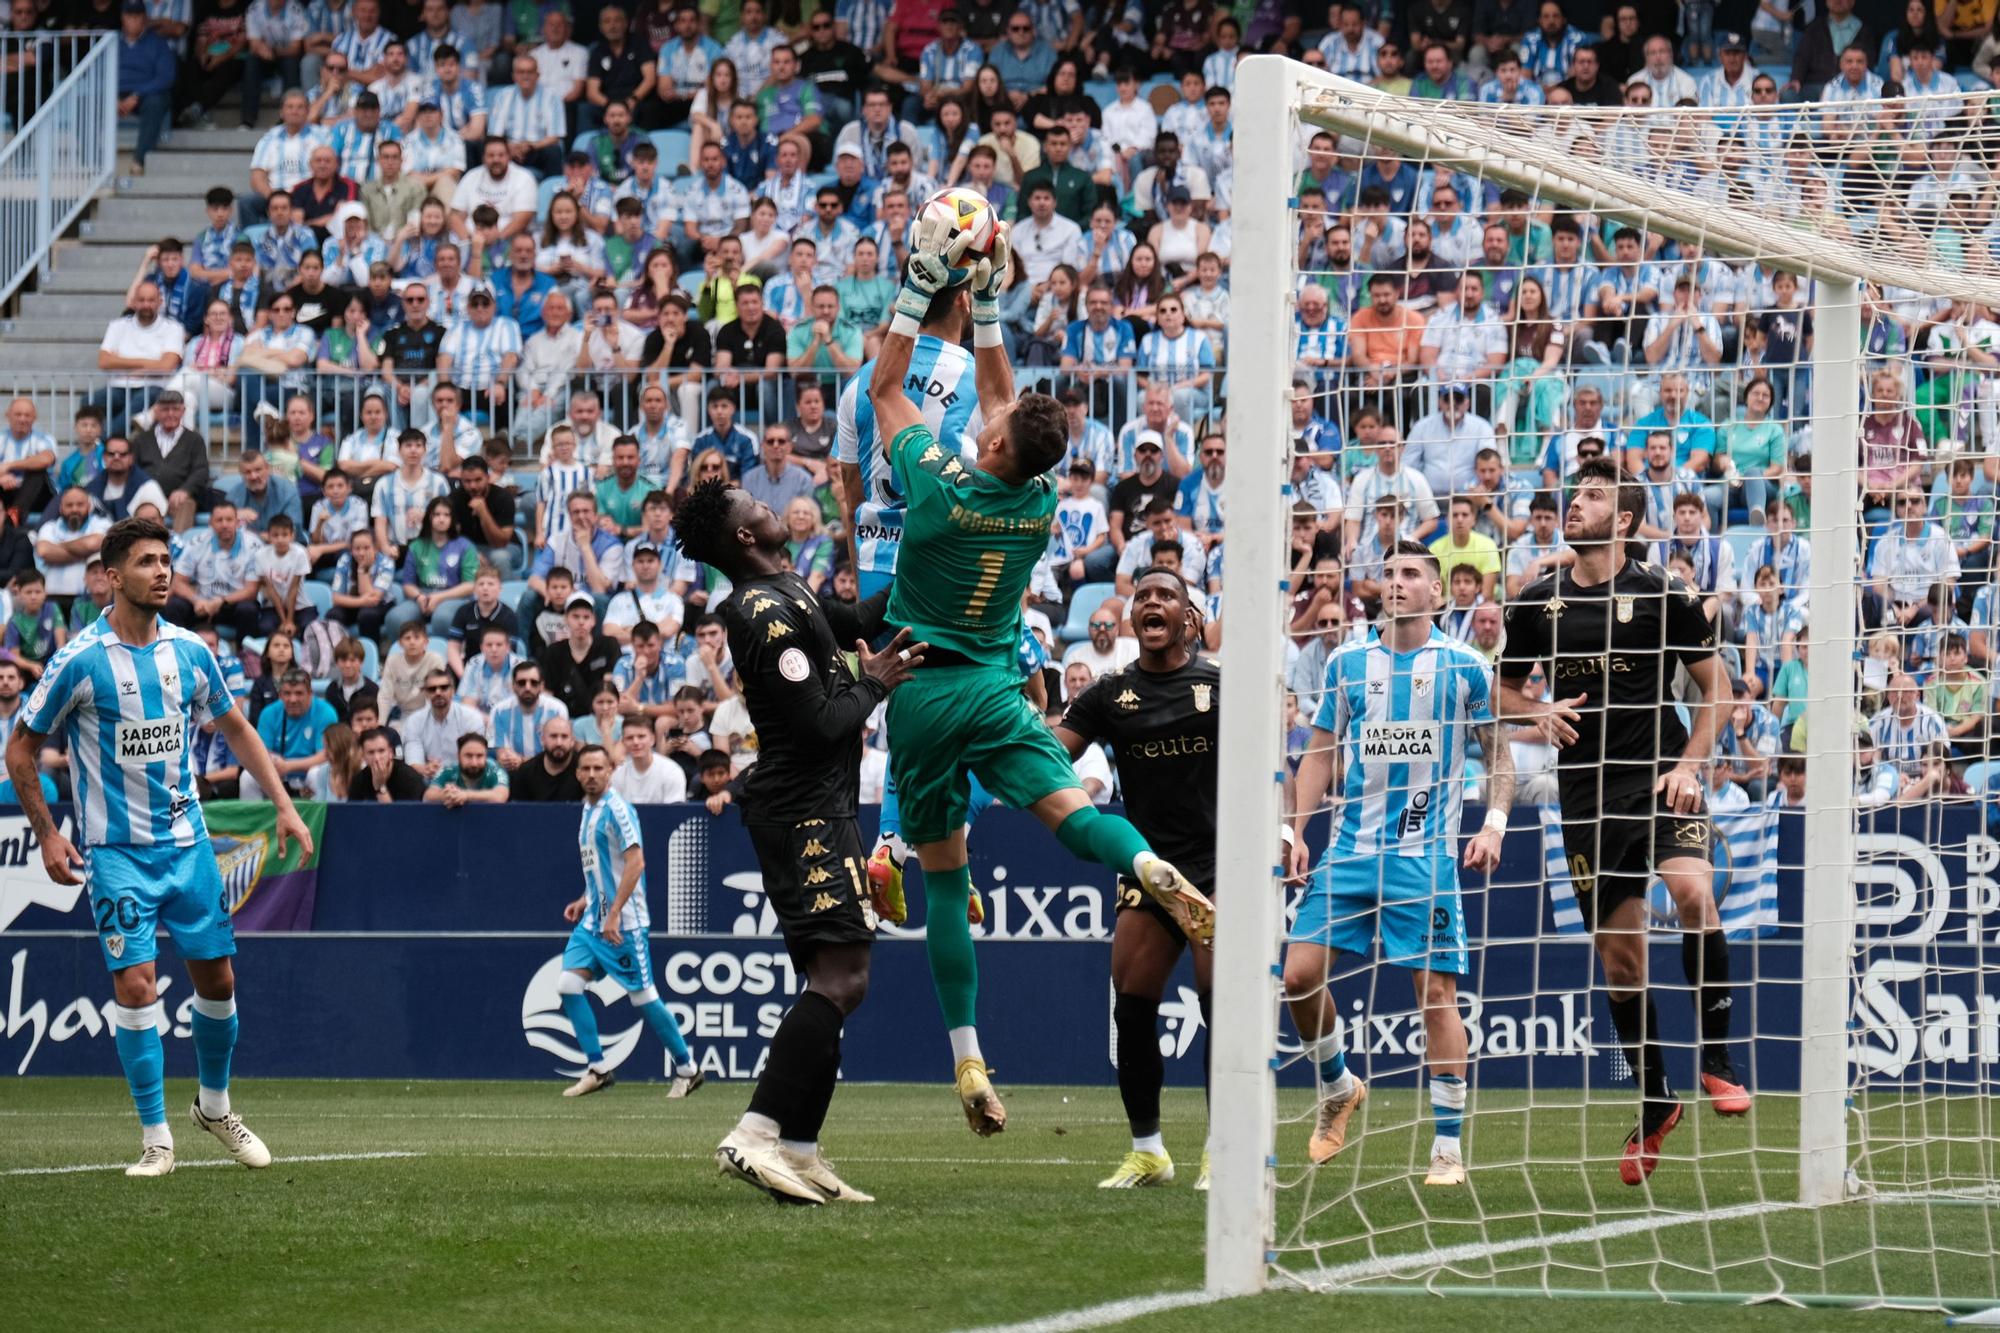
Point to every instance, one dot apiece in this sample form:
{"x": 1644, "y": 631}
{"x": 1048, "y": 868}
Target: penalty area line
{"x": 1111, "y": 1312}
{"x": 86, "y": 1168}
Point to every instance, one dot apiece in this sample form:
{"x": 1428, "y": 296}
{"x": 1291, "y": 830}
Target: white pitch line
{"x": 207, "y": 1161}
{"x": 1101, "y": 1316}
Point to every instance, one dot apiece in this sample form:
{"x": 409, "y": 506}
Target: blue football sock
{"x": 891, "y": 819}
{"x": 214, "y": 1026}
{"x": 662, "y": 1023}
{"x": 143, "y": 1059}
{"x": 1447, "y": 1104}
{"x": 576, "y": 1008}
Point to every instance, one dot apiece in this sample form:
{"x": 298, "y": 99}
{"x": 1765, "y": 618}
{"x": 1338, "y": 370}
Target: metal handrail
{"x": 54, "y": 165}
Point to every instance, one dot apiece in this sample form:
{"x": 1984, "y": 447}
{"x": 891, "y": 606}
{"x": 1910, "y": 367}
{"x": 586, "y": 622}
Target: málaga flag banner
{"x": 265, "y": 891}
{"x": 1746, "y": 873}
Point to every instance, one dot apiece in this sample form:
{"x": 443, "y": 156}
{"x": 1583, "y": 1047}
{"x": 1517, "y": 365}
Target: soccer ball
{"x": 968, "y": 212}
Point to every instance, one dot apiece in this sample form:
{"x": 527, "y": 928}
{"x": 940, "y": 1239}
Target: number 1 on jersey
{"x": 992, "y": 564}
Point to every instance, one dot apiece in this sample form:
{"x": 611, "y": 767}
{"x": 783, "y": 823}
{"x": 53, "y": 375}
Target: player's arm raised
{"x": 933, "y": 259}
{"x": 992, "y": 370}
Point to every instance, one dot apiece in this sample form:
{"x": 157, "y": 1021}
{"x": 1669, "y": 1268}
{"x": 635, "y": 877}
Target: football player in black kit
{"x": 798, "y": 805}
{"x": 1610, "y": 631}
{"x": 1159, "y": 715}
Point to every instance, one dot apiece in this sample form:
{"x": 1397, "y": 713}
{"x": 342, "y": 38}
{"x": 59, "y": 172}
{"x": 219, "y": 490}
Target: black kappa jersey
{"x": 808, "y": 708}
{"x": 1617, "y": 645}
{"x": 1162, "y": 728}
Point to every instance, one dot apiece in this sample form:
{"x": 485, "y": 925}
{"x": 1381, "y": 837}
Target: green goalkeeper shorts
{"x": 946, "y": 723}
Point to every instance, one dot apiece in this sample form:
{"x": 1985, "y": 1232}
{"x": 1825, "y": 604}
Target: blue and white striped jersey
{"x": 608, "y": 828}
{"x": 940, "y": 382}
{"x": 127, "y": 712}
{"x": 1902, "y": 742}
{"x": 1402, "y": 722}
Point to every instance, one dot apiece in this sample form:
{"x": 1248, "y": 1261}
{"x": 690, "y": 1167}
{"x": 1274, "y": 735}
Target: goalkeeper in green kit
{"x": 972, "y": 536}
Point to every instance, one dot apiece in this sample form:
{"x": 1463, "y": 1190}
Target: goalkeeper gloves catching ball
{"x": 934, "y": 261}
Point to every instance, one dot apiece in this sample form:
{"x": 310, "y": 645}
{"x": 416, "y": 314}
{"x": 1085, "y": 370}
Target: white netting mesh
{"x": 1651, "y": 285}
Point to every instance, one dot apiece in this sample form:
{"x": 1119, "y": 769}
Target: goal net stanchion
{"x": 1856, "y": 1179}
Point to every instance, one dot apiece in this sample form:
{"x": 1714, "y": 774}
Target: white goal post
{"x": 1274, "y": 97}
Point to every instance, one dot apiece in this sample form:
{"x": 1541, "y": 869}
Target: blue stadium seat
{"x": 1741, "y": 539}
{"x": 255, "y": 234}
{"x": 690, "y": 282}
{"x": 673, "y": 146}
{"x": 320, "y": 595}
{"x": 544, "y": 193}
{"x": 512, "y": 591}
{"x": 441, "y": 646}
{"x": 586, "y": 142}
{"x": 1082, "y": 602}
{"x": 371, "y": 660}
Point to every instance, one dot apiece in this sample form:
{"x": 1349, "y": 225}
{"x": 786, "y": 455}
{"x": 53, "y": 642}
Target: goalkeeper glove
{"x": 932, "y": 267}
{"x": 989, "y": 279}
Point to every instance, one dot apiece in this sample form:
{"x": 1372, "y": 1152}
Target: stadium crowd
{"x": 505, "y": 279}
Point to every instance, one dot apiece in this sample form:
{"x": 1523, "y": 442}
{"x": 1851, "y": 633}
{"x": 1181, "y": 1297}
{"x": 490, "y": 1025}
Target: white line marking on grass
{"x": 206, "y": 1161}
{"x": 1393, "y": 1265}
{"x": 1111, "y": 1312}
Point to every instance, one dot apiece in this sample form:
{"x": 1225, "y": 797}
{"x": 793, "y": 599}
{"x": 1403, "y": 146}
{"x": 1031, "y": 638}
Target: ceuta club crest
{"x": 1204, "y": 697}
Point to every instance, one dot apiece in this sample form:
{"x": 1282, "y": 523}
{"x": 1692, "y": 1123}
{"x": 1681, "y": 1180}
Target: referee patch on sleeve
{"x": 793, "y": 665}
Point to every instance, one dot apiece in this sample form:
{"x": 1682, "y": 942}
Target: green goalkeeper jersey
{"x": 970, "y": 545}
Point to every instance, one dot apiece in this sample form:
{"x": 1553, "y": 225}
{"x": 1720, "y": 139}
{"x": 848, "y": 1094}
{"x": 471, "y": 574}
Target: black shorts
{"x": 816, "y": 876}
{"x": 1612, "y": 857}
{"x": 1132, "y": 898}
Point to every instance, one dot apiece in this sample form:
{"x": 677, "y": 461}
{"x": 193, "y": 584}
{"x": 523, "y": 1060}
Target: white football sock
{"x": 1152, "y": 1143}
{"x": 799, "y": 1147}
{"x": 213, "y": 1104}
{"x": 156, "y": 1135}
{"x": 761, "y": 1126}
{"x": 965, "y": 1045}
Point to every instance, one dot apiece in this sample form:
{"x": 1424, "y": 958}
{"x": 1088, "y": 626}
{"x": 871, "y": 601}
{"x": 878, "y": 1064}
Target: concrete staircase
{"x": 53, "y": 334}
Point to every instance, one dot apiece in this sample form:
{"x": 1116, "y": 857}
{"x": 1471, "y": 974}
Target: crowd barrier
{"x": 436, "y": 937}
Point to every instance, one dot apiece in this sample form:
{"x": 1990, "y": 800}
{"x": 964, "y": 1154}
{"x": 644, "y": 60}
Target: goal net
{"x": 1778, "y": 323}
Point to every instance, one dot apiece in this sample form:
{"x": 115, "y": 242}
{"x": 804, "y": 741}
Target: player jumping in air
{"x": 798, "y": 804}
{"x": 609, "y": 925}
{"x": 1610, "y": 631}
{"x": 128, "y": 691}
{"x": 1160, "y": 718}
{"x": 941, "y": 383}
{"x": 972, "y": 536}
{"x": 1392, "y": 729}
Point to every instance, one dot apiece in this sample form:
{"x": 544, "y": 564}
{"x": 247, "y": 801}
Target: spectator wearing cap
{"x": 574, "y": 666}
{"x": 175, "y": 456}
{"x": 1134, "y": 495}
{"x": 276, "y": 32}
{"x": 1729, "y": 86}
{"x": 351, "y": 247}
{"x": 480, "y": 352}
{"x": 947, "y": 66}
{"x": 356, "y": 140}
{"x": 649, "y": 597}
{"x": 1089, "y": 440}
{"x": 146, "y": 72}
{"x": 1445, "y": 445}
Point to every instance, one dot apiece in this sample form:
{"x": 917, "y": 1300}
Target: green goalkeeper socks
{"x": 1109, "y": 840}
{"x": 948, "y": 942}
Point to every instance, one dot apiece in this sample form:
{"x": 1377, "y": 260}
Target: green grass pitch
{"x": 517, "y": 1209}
